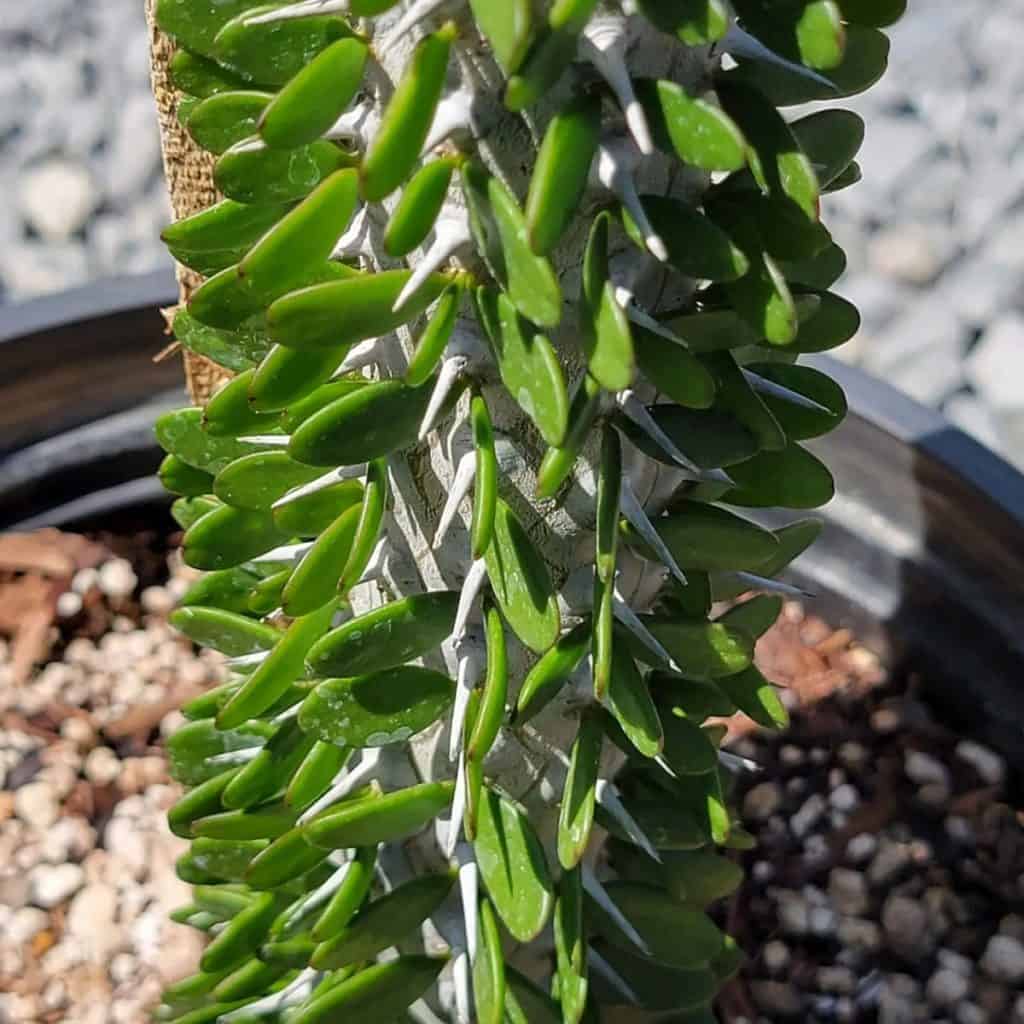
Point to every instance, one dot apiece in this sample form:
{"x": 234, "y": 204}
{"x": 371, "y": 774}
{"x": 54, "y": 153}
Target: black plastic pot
{"x": 923, "y": 554}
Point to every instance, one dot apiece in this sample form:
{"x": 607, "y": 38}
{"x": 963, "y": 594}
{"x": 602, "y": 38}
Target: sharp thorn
{"x": 769, "y": 387}
{"x": 738, "y": 43}
{"x": 638, "y": 519}
{"x": 608, "y": 798}
{"x": 464, "y": 476}
{"x": 451, "y": 370}
{"x": 599, "y": 894}
{"x": 470, "y": 590}
{"x": 451, "y": 233}
{"x": 469, "y": 672}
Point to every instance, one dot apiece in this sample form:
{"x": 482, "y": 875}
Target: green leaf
{"x": 491, "y": 711}
{"x": 319, "y": 398}
{"x": 229, "y": 536}
{"x": 485, "y": 490}
{"x": 528, "y": 364}
{"x": 696, "y": 246}
{"x": 657, "y": 986}
{"x": 754, "y": 616}
{"x": 489, "y": 970}
{"x": 701, "y": 877}
{"x": 249, "y": 172}
{"x": 285, "y": 377}
{"x": 385, "y": 922}
{"x": 229, "y": 414}
{"x": 864, "y": 62}
{"x": 314, "y": 581}
{"x": 278, "y": 50}
{"x": 416, "y": 212}
{"x": 286, "y": 859}
{"x": 181, "y": 433}
{"x": 604, "y": 329}
{"x": 341, "y": 313}
{"x": 694, "y": 22}
{"x": 368, "y": 822}
{"x": 776, "y": 159}
{"x": 531, "y": 282}
{"x": 349, "y": 896}
{"x": 819, "y": 273}
{"x": 315, "y": 97}
{"x": 702, "y": 536}
{"x": 834, "y": 323}
{"x": 392, "y": 635}
{"x": 313, "y": 513}
{"x": 562, "y": 170}
{"x": 521, "y": 583}
{"x": 315, "y": 775}
{"x": 809, "y": 33}
{"x": 548, "y": 58}
{"x": 219, "y": 236}
{"x": 669, "y": 827}
{"x": 702, "y": 650}
{"x": 735, "y": 396}
{"x": 797, "y": 421}
{"x": 197, "y": 76}
{"x": 677, "y": 936}
{"x": 188, "y": 511}
{"x": 268, "y": 821}
{"x": 696, "y": 699}
{"x": 831, "y": 140}
{"x": 375, "y": 710}
{"x": 195, "y": 23}
{"x": 256, "y": 481}
{"x": 762, "y": 297}
{"x": 551, "y": 672}
{"x": 710, "y": 438}
{"x": 235, "y": 350}
{"x": 378, "y": 994}
{"x": 672, "y": 369}
{"x": 229, "y": 590}
{"x": 513, "y": 868}
{"x": 696, "y": 129}
{"x": 507, "y": 27}
{"x": 200, "y": 802}
{"x": 276, "y": 673}
{"x": 396, "y": 147}
{"x": 630, "y": 703}
{"x": 878, "y": 13}
{"x": 712, "y": 330}
{"x": 792, "y": 478}
{"x": 260, "y": 779}
{"x": 179, "y": 477}
{"x": 190, "y": 749}
{"x": 219, "y": 122}
{"x": 571, "y": 948}
{"x": 371, "y": 521}
{"x": 559, "y": 462}
{"x": 368, "y": 424}
{"x": 688, "y": 749}
{"x": 576, "y": 817}
{"x": 294, "y": 248}
{"x": 756, "y": 698}
{"x": 241, "y": 937}
{"x": 224, "y": 859}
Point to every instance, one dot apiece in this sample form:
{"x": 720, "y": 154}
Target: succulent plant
{"x": 513, "y": 293}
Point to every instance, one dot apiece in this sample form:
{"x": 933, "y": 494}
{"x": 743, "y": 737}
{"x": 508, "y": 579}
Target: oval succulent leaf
{"x": 513, "y": 867}
{"x": 521, "y": 582}
{"x": 376, "y": 710}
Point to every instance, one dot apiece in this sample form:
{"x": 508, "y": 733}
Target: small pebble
{"x": 53, "y": 884}
{"x": 761, "y": 802}
{"x": 905, "y": 923}
{"x": 838, "y": 980}
{"x": 117, "y": 579}
{"x": 891, "y": 860}
{"x": 809, "y": 815}
{"x": 861, "y": 848}
{"x": 102, "y": 766}
{"x": 989, "y": 765}
{"x": 848, "y": 891}
{"x": 1003, "y": 959}
{"x": 886, "y": 721}
{"x": 844, "y": 798}
{"x": 37, "y": 804}
{"x": 924, "y": 769}
{"x": 945, "y": 989}
{"x": 776, "y": 956}
{"x": 69, "y": 604}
